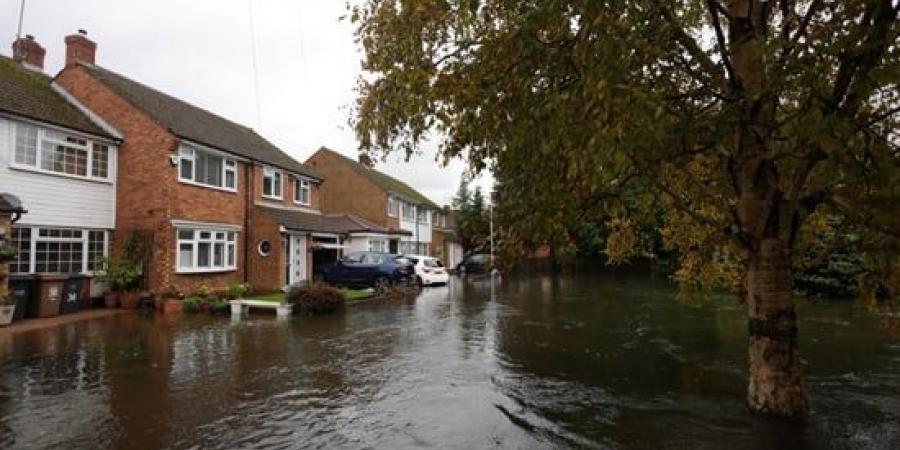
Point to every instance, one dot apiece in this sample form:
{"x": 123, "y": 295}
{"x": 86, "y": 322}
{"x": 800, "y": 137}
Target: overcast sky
{"x": 200, "y": 51}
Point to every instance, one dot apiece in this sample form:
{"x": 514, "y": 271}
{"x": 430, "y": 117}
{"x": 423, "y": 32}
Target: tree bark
{"x": 776, "y": 381}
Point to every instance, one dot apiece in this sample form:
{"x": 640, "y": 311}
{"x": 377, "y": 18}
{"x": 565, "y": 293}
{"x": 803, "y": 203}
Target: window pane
{"x": 229, "y": 179}
{"x": 203, "y": 254}
{"x": 21, "y": 239}
{"x": 214, "y": 170}
{"x": 267, "y": 186}
{"x": 60, "y": 255}
{"x": 219, "y": 254}
{"x": 26, "y": 145}
{"x": 96, "y": 248}
{"x": 205, "y": 235}
{"x": 100, "y": 161}
{"x": 276, "y": 184}
{"x": 185, "y": 255}
{"x": 231, "y": 255}
{"x": 63, "y": 159}
{"x": 187, "y": 169}
{"x": 186, "y": 235}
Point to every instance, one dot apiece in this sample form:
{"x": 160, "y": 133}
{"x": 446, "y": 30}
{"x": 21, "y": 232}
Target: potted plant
{"x": 7, "y": 308}
{"x": 171, "y": 299}
{"x": 122, "y": 277}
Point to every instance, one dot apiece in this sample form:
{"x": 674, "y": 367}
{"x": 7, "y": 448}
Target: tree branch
{"x": 714, "y": 8}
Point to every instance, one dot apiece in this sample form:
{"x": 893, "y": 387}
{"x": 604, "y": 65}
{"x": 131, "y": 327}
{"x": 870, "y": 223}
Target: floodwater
{"x": 571, "y": 361}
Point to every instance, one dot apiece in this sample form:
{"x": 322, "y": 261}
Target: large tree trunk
{"x": 776, "y": 383}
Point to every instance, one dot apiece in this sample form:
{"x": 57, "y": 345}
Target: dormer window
{"x": 301, "y": 192}
{"x": 271, "y": 183}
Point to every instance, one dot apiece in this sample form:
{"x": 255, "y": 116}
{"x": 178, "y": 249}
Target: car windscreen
{"x": 432, "y": 263}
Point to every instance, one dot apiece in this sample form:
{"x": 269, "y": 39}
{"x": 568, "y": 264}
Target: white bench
{"x": 242, "y": 306}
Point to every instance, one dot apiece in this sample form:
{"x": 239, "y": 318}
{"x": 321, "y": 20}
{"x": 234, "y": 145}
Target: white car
{"x": 429, "y": 270}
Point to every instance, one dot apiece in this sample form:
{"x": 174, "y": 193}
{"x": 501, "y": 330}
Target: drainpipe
{"x": 248, "y": 200}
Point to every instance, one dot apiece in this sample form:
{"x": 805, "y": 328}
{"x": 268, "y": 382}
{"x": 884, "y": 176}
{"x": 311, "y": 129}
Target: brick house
{"x": 61, "y": 161}
{"x": 357, "y": 188}
{"x": 199, "y": 187}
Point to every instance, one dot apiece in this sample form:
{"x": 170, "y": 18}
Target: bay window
{"x": 196, "y": 166}
{"x": 271, "y": 183}
{"x": 301, "y": 191}
{"x": 206, "y": 250}
{"x": 52, "y": 151}
{"x": 58, "y": 250}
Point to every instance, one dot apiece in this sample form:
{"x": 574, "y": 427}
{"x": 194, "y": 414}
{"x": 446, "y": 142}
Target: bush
{"x": 220, "y": 307}
{"x": 316, "y": 298}
{"x": 191, "y": 304}
{"x": 238, "y": 290}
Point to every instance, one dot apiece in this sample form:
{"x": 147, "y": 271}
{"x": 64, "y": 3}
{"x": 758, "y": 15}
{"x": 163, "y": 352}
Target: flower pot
{"x": 6, "y": 314}
{"x": 129, "y": 300}
{"x": 172, "y": 306}
{"x": 111, "y": 299}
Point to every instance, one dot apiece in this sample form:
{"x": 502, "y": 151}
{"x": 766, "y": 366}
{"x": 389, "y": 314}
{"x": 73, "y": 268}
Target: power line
{"x": 255, "y": 68}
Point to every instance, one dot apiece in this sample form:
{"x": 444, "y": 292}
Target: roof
{"x": 326, "y": 223}
{"x": 385, "y": 181}
{"x": 197, "y": 124}
{"x": 29, "y": 94}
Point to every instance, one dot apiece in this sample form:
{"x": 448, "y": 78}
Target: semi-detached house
{"x": 61, "y": 162}
{"x": 219, "y": 203}
{"x": 360, "y": 189}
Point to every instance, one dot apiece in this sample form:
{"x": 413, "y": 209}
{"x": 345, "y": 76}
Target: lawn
{"x": 352, "y": 295}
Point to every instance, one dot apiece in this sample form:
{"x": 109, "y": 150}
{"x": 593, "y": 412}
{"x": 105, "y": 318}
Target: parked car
{"x": 368, "y": 269}
{"x": 429, "y": 271}
{"x": 475, "y": 264}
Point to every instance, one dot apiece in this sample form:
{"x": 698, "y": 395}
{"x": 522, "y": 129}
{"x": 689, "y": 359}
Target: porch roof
{"x": 326, "y": 223}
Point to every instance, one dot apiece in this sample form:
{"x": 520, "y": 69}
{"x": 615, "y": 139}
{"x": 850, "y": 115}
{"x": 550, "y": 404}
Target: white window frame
{"x": 228, "y": 240}
{"x": 381, "y": 243}
{"x": 188, "y": 153}
{"x": 35, "y": 237}
{"x": 425, "y": 216}
{"x": 407, "y": 212}
{"x": 393, "y": 206}
{"x": 273, "y": 174}
{"x": 44, "y": 135}
{"x": 299, "y": 185}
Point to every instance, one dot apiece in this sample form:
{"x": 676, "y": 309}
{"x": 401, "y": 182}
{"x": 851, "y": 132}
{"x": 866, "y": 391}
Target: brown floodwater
{"x": 584, "y": 360}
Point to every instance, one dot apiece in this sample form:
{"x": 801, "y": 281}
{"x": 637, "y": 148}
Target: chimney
{"x": 80, "y": 48}
{"x": 27, "y": 50}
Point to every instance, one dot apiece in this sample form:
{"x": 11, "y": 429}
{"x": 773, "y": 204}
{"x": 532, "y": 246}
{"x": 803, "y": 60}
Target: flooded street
{"x": 572, "y": 361}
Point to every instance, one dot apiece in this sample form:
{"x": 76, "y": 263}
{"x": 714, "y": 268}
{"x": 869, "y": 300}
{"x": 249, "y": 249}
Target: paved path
{"x": 26, "y": 325}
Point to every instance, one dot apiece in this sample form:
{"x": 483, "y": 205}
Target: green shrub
{"x": 220, "y": 307}
{"x": 238, "y": 290}
{"x": 191, "y": 304}
{"x": 316, "y": 298}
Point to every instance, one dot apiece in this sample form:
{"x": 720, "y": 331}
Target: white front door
{"x": 297, "y": 261}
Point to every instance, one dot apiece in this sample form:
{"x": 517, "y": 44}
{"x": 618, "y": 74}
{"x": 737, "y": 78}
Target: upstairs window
{"x": 393, "y": 207}
{"x": 271, "y": 183}
{"x": 53, "y": 151}
{"x": 301, "y": 192}
{"x": 199, "y": 167}
{"x": 409, "y": 211}
{"x": 422, "y": 215}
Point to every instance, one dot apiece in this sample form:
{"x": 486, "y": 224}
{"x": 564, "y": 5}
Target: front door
{"x": 297, "y": 262}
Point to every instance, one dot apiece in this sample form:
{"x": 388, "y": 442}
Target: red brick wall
{"x": 265, "y": 274}
{"x": 148, "y": 194}
{"x": 287, "y": 191}
{"x": 346, "y": 191}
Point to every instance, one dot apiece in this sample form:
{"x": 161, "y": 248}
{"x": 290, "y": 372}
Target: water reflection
{"x": 571, "y": 361}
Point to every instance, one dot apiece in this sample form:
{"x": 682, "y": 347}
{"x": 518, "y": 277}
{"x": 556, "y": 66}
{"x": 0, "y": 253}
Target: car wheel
{"x": 382, "y": 284}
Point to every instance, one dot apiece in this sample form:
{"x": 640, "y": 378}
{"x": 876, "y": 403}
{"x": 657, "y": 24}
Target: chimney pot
{"x": 82, "y": 31}
{"x": 28, "y": 51}
{"x": 80, "y": 48}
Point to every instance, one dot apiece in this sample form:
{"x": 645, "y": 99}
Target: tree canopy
{"x": 740, "y": 129}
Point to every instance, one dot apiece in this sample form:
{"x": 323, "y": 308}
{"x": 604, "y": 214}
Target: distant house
{"x": 357, "y": 188}
{"x": 61, "y": 161}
